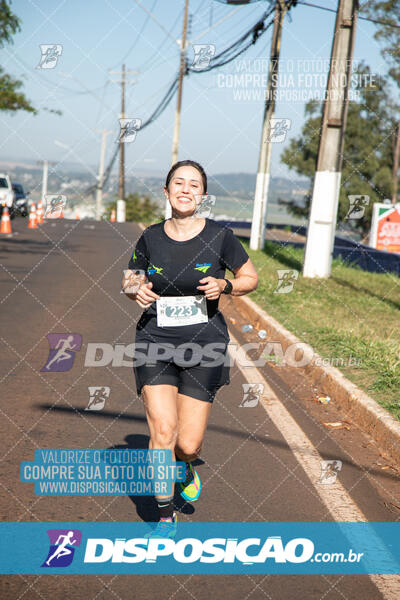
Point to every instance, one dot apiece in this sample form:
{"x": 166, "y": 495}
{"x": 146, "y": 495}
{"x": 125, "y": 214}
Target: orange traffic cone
{"x": 32, "y": 217}
{"x": 77, "y": 217}
{"x": 5, "y": 226}
{"x": 40, "y": 212}
{"x": 112, "y": 218}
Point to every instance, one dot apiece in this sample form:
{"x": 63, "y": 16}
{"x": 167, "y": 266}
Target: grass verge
{"x": 354, "y": 315}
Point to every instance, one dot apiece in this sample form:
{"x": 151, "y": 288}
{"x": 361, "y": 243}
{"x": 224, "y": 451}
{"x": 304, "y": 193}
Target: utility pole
{"x": 44, "y": 180}
{"x": 100, "y": 177}
{"x": 325, "y": 198}
{"x": 182, "y": 69}
{"x": 395, "y": 173}
{"x": 257, "y": 236}
{"x": 45, "y": 164}
{"x": 121, "y": 180}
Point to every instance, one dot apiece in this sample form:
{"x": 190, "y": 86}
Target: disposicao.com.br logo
{"x": 204, "y": 548}
{"x": 191, "y": 550}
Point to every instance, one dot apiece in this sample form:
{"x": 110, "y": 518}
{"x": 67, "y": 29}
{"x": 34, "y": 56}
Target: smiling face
{"x": 185, "y": 185}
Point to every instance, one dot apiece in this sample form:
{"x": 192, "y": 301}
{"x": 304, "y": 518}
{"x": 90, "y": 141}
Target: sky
{"x": 220, "y": 126}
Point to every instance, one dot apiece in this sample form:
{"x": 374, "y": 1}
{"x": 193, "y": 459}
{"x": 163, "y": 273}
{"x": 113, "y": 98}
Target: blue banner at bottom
{"x": 208, "y": 548}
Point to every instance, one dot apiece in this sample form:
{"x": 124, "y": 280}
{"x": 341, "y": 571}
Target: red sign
{"x": 385, "y": 230}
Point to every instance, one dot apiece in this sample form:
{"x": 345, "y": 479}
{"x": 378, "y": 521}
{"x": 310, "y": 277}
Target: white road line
{"x": 334, "y": 496}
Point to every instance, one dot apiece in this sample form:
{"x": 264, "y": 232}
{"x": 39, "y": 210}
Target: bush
{"x": 138, "y": 208}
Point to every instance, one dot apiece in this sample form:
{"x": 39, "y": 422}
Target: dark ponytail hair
{"x": 187, "y": 163}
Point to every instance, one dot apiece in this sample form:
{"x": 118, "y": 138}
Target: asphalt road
{"x": 65, "y": 277}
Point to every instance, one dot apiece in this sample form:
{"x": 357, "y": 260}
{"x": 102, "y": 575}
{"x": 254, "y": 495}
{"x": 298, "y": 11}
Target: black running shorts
{"x": 198, "y": 381}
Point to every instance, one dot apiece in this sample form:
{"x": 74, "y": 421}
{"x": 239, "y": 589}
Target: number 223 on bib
{"x": 176, "y": 311}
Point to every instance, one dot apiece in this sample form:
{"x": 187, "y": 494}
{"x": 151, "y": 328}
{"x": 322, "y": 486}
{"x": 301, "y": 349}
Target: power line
{"x": 234, "y": 50}
{"x": 360, "y": 17}
{"x": 155, "y": 19}
{"x": 107, "y": 172}
{"x": 163, "y": 104}
{"x": 102, "y": 101}
{"x": 155, "y": 55}
{"x": 139, "y": 35}
{"x": 157, "y": 93}
{"x": 238, "y": 24}
{"x": 258, "y": 29}
{"x": 156, "y": 113}
{"x": 253, "y": 34}
{"x": 173, "y": 86}
{"x": 216, "y": 24}
{"x": 40, "y": 76}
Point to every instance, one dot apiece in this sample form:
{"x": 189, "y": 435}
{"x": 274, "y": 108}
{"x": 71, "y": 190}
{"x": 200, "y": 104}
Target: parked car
{"x": 21, "y": 199}
{"x": 7, "y": 194}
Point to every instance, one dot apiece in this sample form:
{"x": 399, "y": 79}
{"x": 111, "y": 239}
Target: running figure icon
{"x": 62, "y": 346}
{"x": 62, "y": 549}
{"x": 98, "y": 397}
{"x": 251, "y": 394}
{"x": 63, "y": 545}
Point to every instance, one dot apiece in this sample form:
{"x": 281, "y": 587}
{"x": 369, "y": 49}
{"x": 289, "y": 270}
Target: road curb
{"x": 358, "y": 406}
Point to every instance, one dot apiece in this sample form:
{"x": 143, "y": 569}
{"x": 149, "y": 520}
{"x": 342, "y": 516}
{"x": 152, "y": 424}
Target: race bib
{"x": 176, "y": 311}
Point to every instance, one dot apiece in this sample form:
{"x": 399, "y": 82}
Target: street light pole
{"x": 44, "y": 180}
{"x": 177, "y": 124}
{"x": 100, "y": 178}
{"x": 121, "y": 182}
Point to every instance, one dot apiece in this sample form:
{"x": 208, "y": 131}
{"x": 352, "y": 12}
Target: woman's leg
{"x": 160, "y": 402}
{"x": 192, "y": 423}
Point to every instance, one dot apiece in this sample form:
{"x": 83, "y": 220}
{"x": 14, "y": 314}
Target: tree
{"x": 11, "y": 98}
{"x": 387, "y": 32}
{"x": 367, "y": 157}
{"x": 386, "y": 14}
{"x": 138, "y": 208}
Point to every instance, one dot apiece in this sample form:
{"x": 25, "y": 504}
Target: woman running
{"x": 185, "y": 335}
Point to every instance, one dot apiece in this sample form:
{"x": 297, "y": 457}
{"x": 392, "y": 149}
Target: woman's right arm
{"x": 134, "y": 282}
{"x": 145, "y": 295}
{"x": 137, "y": 288}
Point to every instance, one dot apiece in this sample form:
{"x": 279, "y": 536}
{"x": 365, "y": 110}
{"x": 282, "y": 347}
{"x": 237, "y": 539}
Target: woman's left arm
{"x": 246, "y": 280}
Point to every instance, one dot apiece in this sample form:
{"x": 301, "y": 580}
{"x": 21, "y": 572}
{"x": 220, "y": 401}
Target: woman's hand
{"x": 132, "y": 281}
{"x": 145, "y": 296}
{"x": 212, "y": 287}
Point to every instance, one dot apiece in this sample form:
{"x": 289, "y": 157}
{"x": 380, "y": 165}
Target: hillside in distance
{"x": 234, "y": 191}
{"x": 234, "y": 194}
{"x": 241, "y": 185}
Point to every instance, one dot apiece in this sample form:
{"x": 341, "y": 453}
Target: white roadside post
{"x": 121, "y": 212}
{"x": 324, "y": 204}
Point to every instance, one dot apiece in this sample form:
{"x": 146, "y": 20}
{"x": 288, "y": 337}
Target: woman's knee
{"x": 164, "y": 434}
{"x": 188, "y": 447}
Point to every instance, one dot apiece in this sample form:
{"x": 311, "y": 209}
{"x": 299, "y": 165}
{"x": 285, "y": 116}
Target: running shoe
{"x": 166, "y": 528}
{"x": 191, "y": 487}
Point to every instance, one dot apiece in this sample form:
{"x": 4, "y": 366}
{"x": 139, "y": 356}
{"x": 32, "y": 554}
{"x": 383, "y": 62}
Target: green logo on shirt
{"x": 152, "y": 270}
{"x": 134, "y": 254}
{"x": 203, "y": 267}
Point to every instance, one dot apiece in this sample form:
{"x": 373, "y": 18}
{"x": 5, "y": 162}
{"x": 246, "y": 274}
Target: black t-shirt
{"x": 175, "y": 268}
